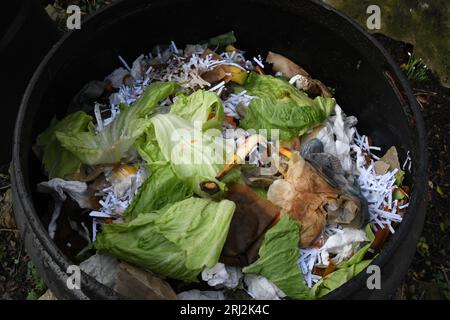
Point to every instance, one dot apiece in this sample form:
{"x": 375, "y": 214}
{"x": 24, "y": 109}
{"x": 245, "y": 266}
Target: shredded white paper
{"x": 117, "y": 196}
{"x": 232, "y": 102}
{"x": 377, "y": 189}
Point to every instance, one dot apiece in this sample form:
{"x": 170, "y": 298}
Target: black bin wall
{"x": 26, "y": 35}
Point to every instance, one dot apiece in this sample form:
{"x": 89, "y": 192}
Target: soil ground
{"x": 428, "y": 275}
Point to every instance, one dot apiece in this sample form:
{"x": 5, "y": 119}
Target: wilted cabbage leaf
{"x": 195, "y": 156}
{"x": 59, "y": 162}
{"x": 279, "y": 105}
{"x": 148, "y": 148}
{"x": 278, "y": 257}
{"x": 160, "y": 189}
{"x": 222, "y": 40}
{"x": 338, "y": 278}
{"x": 202, "y": 106}
{"x": 116, "y": 141}
{"x": 177, "y": 241}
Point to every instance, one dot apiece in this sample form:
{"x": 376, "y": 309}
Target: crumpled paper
{"x": 259, "y": 288}
{"x": 221, "y": 275}
{"x": 136, "y": 68}
{"x": 343, "y": 244}
{"x": 117, "y": 77}
{"x": 125, "y": 186}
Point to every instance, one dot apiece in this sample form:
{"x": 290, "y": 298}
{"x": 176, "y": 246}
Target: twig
{"x": 424, "y": 92}
{"x": 16, "y": 268}
{"x": 445, "y": 273}
{"x": 9, "y": 230}
{"x": 420, "y": 103}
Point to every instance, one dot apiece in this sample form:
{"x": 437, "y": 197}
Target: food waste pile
{"x": 203, "y": 173}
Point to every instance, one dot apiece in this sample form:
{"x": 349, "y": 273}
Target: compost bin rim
{"x": 420, "y": 159}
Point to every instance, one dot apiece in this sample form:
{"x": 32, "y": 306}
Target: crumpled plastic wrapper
{"x": 259, "y": 288}
{"x": 221, "y": 275}
{"x": 58, "y": 188}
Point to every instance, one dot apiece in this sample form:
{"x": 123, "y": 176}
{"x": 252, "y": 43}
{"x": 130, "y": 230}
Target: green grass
{"x": 415, "y": 69}
{"x": 443, "y": 284}
{"x": 423, "y": 248}
{"x": 38, "y": 286}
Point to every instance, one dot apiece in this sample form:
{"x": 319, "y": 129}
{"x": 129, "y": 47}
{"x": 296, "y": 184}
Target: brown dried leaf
{"x": 6, "y": 212}
{"x": 252, "y": 217}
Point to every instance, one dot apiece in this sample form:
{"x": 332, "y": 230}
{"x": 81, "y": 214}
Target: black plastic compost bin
{"x": 333, "y": 48}
{"x": 26, "y": 35}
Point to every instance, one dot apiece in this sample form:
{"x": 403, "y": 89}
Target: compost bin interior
{"x": 323, "y": 42}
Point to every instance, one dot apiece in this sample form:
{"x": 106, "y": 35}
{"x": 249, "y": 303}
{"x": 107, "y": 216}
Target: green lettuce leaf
{"x": 222, "y": 40}
{"x": 148, "y": 148}
{"x": 59, "y": 162}
{"x": 359, "y": 255}
{"x": 279, "y": 105}
{"x": 338, "y": 277}
{"x": 399, "y": 176}
{"x": 195, "y": 156}
{"x": 115, "y": 142}
{"x": 198, "y": 107}
{"x": 177, "y": 241}
{"x": 345, "y": 270}
{"x": 160, "y": 189}
{"x": 278, "y": 257}
{"x": 262, "y": 192}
